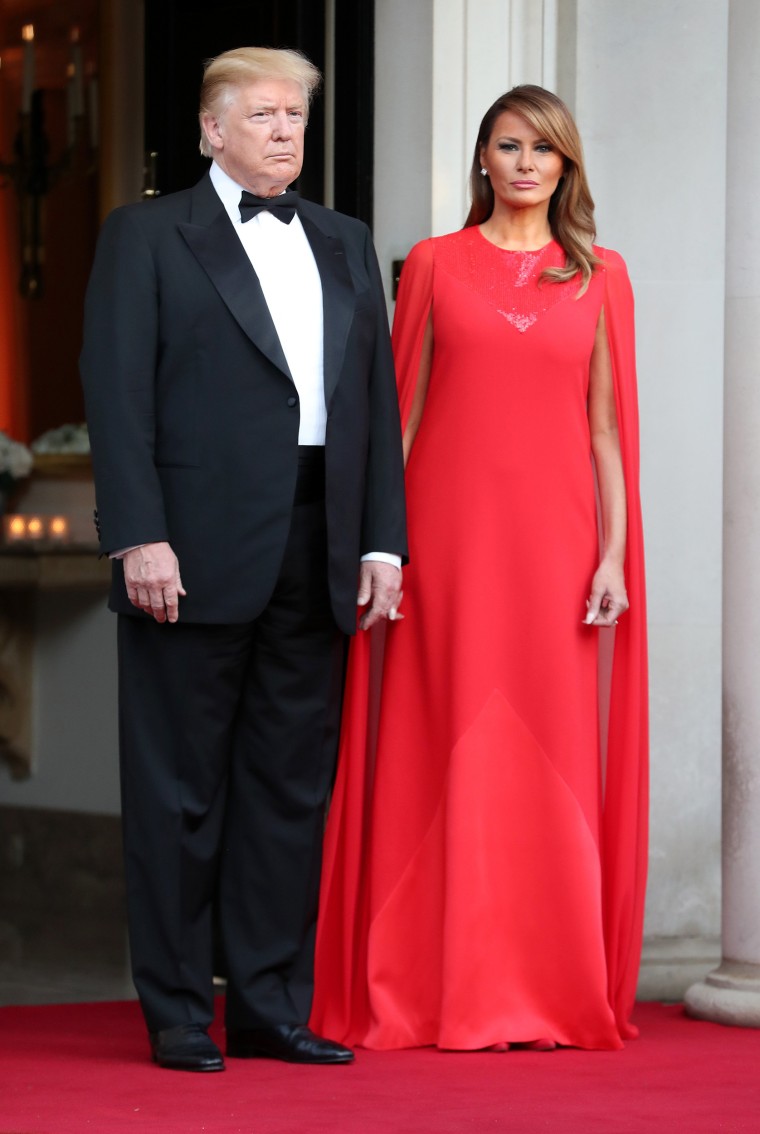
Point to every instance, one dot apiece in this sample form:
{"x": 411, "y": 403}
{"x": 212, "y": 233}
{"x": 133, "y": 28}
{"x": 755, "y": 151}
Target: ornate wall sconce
{"x": 31, "y": 172}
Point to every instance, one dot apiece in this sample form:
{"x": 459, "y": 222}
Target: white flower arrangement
{"x": 66, "y": 439}
{"x": 15, "y": 461}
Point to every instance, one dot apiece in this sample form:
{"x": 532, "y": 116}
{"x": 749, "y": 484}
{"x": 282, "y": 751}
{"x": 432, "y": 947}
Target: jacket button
{"x": 292, "y": 401}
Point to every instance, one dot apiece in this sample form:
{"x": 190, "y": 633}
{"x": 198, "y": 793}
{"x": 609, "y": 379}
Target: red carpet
{"x": 84, "y": 1070}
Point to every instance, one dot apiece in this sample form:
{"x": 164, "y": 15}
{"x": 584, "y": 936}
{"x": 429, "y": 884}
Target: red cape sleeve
{"x": 415, "y": 297}
{"x": 626, "y": 798}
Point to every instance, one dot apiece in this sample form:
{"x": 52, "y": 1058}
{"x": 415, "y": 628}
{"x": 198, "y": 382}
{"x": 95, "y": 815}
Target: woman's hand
{"x": 608, "y": 599}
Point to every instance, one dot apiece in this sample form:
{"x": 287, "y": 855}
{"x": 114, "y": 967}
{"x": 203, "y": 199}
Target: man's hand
{"x": 151, "y": 573}
{"x": 380, "y": 586}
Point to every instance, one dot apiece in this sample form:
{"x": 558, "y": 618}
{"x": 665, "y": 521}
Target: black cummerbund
{"x": 310, "y": 485}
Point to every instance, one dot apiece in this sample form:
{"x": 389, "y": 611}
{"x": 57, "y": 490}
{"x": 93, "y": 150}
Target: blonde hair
{"x": 243, "y": 65}
{"x": 571, "y": 209}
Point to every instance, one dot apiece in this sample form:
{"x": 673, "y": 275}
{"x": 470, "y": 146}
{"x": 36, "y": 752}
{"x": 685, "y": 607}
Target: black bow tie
{"x": 282, "y": 207}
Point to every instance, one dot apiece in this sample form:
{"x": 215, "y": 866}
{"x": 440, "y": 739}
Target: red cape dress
{"x": 485, "y": 854}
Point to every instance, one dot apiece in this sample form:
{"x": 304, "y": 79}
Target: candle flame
{"x": 27, "y": 33}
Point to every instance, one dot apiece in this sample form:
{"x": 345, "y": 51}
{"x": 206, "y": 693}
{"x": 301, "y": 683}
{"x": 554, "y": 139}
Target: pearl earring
{"x": 483, "y": 171}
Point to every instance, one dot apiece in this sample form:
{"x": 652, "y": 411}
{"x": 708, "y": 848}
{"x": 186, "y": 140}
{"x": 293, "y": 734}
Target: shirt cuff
{"x": 123, "y": 551}
{"x": 383, "y": 557}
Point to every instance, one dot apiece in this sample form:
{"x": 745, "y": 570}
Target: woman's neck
{"x": 520, "y": 230}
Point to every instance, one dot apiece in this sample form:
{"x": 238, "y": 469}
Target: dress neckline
{"x": 516, "y": 251}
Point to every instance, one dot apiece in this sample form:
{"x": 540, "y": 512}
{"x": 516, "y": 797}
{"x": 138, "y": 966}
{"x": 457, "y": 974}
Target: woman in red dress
{"x": 485, "y": 861}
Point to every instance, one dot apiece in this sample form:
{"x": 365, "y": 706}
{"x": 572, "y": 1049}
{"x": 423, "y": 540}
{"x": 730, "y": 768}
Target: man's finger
{"x": 364, "y": 591}
{"x": 171, "y": 601}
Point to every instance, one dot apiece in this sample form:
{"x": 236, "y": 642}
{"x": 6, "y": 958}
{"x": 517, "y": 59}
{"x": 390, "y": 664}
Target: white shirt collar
{"x": 229, "y": 191}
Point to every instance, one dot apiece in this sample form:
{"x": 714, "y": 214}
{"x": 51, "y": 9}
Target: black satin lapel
{"x": 338, "y": 298}
{"x": 219, "y": 252}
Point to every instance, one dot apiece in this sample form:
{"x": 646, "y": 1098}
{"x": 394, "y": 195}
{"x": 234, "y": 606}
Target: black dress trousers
{"x": 228, "y": 740}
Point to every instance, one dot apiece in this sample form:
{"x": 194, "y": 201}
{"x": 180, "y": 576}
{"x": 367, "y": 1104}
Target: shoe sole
{"x": 249, "y": 1053}
{"x": 175, "y": 1065}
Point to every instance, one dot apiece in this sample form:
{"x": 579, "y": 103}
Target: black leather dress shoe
{"x": 293, "y": 1043}
{"x": 186, "y": 1048}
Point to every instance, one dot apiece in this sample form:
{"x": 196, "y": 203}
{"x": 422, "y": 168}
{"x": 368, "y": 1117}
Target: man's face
{"x": 258, "y": 137}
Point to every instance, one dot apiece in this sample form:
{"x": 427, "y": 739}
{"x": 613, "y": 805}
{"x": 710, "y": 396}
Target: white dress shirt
{"x": 282, "y": 258}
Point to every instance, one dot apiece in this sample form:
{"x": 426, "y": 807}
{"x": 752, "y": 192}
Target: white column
{"x": 481, "y": 48}
{"x": 731, "y": 994}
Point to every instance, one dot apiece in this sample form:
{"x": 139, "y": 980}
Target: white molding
{"x": 481, "y": 48}
{"x": 670, "y": 965}
{"x": 448, "y": 193}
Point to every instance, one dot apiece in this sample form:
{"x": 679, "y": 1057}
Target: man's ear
{"x": 212, "y": 128}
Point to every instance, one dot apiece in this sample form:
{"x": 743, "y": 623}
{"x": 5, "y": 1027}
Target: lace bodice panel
{"x": 509, "y": 281}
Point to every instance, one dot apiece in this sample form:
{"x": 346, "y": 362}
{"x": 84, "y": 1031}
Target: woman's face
{"x": 523, "y": 167}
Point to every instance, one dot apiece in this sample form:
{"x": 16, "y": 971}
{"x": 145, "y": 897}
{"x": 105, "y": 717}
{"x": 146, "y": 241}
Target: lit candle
{"x": 58, "y": 529}
{"x": 27, "y": 35}
{"x": 15, "y": 528}
{"x": 76, "y": 63}
{"x": 93, "y": 110}
{"x": 35, "y": 528}
{"x": 70, "y": 111}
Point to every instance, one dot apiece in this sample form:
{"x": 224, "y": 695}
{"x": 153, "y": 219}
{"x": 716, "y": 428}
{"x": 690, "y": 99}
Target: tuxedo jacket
{"x": 193, "y": 413}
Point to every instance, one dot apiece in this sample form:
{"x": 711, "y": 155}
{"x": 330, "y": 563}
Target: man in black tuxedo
{"x": 246, "y": 446}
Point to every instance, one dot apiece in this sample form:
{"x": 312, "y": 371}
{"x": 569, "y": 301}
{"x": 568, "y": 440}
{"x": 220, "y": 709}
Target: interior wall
{"x": 74, "y": 721}
{"x": 74, "y": 724}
